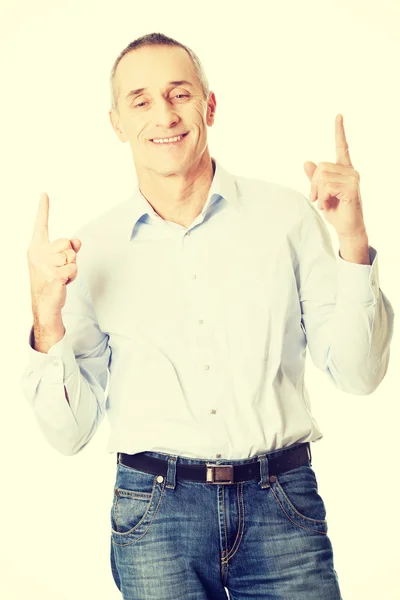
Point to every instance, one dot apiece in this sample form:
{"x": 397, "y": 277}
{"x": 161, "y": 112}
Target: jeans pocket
{"x": 135, "y": 503}
{"x": 296, "y": 492}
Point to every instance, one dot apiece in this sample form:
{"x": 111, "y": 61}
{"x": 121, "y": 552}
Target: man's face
{"x": 162, "y": 109}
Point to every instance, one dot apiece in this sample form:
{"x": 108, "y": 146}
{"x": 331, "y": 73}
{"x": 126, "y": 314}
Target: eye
{"x": 139, "y": 104}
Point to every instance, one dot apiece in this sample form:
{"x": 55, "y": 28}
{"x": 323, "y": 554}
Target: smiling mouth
{"x": 171, "y": 141}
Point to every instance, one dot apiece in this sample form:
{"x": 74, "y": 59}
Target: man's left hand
{"x": 336, "y": 186}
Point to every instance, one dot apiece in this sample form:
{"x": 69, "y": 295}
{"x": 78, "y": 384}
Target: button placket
{"x": 201, "y": 339}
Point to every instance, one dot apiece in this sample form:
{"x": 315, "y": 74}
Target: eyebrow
{"x": 140, "y": 90}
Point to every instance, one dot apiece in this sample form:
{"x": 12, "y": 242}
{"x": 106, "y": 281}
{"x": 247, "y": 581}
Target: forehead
{"x": 154, "y": 66}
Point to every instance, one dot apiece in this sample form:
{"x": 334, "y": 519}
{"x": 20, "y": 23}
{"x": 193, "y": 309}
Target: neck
{"x": 179, "y": 198}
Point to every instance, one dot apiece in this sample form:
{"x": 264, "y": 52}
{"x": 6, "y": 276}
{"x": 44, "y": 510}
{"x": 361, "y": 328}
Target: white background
{"x": 281, "y": 71}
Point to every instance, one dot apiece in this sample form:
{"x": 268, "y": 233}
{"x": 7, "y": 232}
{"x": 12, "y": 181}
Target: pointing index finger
{"x": 41, "y": 228}
{"x": 342, "y": 148}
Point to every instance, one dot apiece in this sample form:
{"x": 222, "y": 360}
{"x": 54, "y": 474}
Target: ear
{"x": 116, "y": 125}
{"x": 211, "y": 108}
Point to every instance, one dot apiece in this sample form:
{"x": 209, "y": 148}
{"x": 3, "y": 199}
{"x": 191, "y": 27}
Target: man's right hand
{"x": 49, "y": 273}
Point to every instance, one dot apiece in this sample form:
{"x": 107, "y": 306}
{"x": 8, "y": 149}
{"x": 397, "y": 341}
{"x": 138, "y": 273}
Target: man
{"x": 199, "y": 295}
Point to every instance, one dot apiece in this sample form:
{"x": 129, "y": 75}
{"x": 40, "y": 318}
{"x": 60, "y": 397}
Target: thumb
{"x": 309, "y": 168}
{"x": 76, "y": 244}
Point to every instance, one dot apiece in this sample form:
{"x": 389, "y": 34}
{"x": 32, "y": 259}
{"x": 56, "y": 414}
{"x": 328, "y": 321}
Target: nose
{"x": 165, "y": 115}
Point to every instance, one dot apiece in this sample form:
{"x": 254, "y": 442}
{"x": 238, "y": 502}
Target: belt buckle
{"x": 212, "y": 475}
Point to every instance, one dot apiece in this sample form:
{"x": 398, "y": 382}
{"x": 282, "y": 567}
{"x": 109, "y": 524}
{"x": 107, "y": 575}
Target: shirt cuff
{"x": 57, "y": 365}
{"x": 358, "y": 282}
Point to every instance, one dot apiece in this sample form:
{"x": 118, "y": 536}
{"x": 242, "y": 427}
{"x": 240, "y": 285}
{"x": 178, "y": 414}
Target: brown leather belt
{"x": 220, "y": 473}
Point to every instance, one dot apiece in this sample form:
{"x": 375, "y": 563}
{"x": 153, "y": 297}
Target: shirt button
{"x": 200, "y": 321}
{"x": 212, "y": 411}
{"x": 56, "y": 363}
{"x": 194, "y": 276}
{"x": 218, "y": 455}
{"x": 206, "y": 367}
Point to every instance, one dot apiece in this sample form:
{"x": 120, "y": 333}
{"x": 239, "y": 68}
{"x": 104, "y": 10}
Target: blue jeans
{"x": 174, "y": 539}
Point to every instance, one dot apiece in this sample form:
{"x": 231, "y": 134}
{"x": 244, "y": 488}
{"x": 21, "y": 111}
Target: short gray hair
{"x": 157, "y": 39}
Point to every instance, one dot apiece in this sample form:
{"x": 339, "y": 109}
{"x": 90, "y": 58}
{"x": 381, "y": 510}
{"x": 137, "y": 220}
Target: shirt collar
{"x": 223, "y": 185}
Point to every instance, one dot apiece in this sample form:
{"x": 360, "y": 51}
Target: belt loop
{"x": 171, "y": 472}
{"x": 264, "y": 471}
{"x": 309, "y": 452}
{"x": 118, "y": 457}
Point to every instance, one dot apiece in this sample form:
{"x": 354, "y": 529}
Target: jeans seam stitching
{"x": 226, "y": 550}
{"x": 241, "y": 526}
{"x": 291, "y": 520}
{"x": 295, "y": 510}
{"x": 229, "y": 553}
{"x": 125, "y": 533}
{"x": 144, "y": 533}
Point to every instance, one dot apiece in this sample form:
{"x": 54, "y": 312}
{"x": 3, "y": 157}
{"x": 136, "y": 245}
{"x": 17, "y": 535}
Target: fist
{"x": 52, "y": 265}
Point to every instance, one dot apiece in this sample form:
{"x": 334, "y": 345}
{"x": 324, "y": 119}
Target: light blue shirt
{"x": 204, "y": 329}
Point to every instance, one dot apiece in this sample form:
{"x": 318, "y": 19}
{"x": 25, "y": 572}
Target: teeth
{"x": 165, "y": 140}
